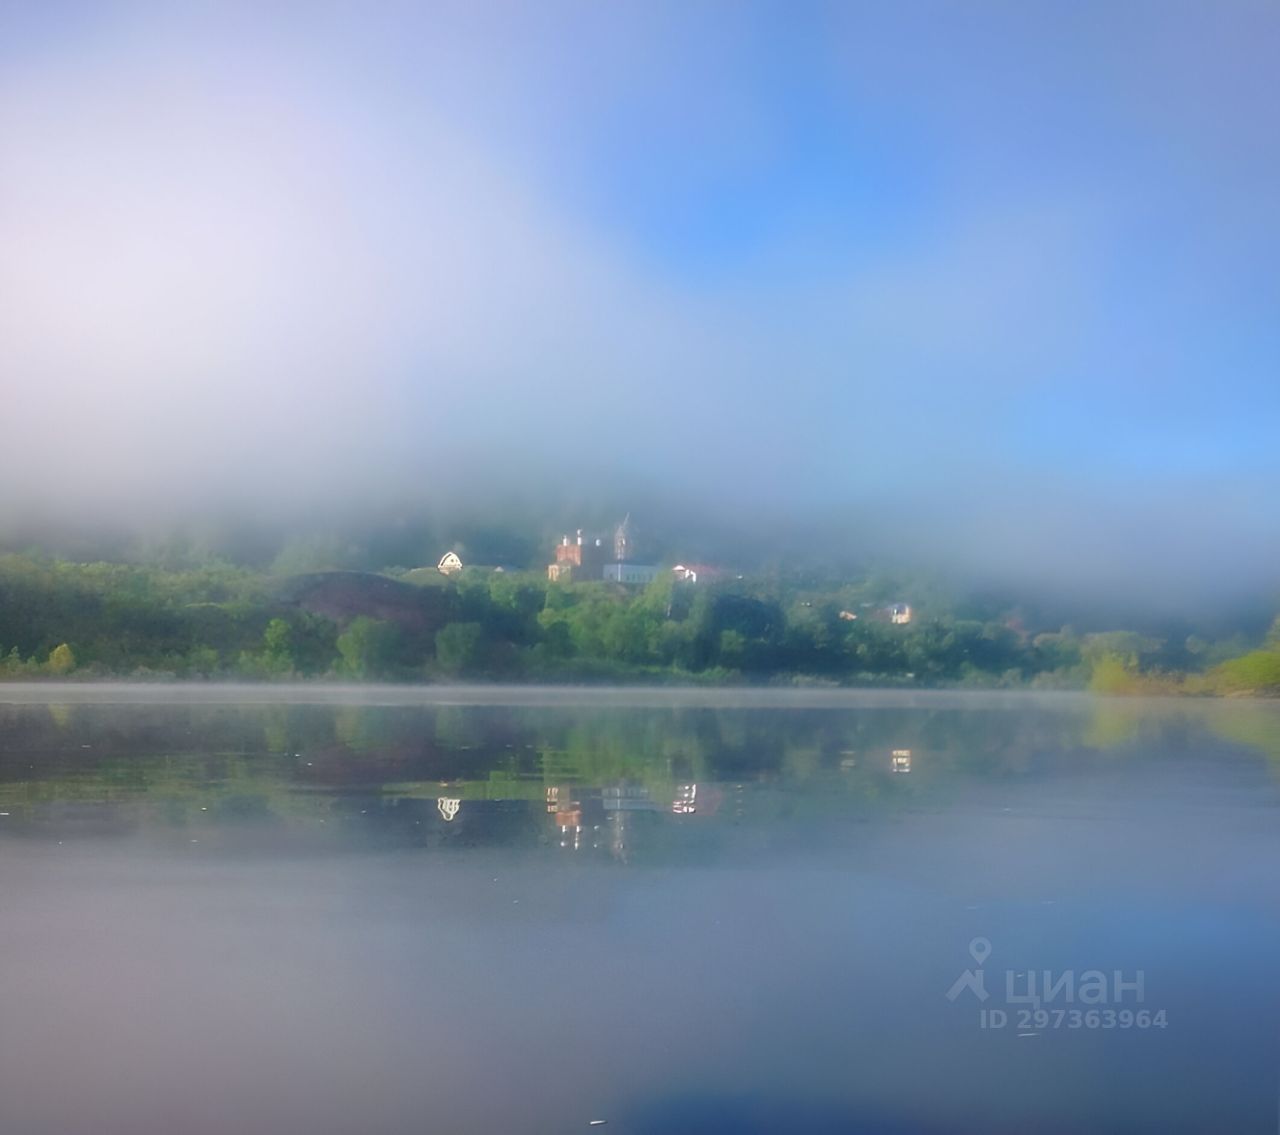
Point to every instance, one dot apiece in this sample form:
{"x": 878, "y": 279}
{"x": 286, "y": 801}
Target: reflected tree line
{"x": 580, "y": 777}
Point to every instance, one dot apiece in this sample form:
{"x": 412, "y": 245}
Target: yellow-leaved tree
{"x": 61, "y": 660}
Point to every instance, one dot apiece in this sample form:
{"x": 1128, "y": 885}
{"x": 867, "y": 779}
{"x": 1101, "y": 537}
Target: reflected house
{"x": 569, "y": 818}
{"x": 569, "y": 821}
{"x": 627, "y": 798}
{"x": 619, "y": 843}
{"x": 566, "y": 812}
{"x": 686, "y": 801}
{"x": 900, "y": 614}
{"x": 900, "y": 761}
{"x": 574, "y": 811}
{"x": 701, "y": 800}
{"x": 590, "y": 809}
{"x": 467, "y": 821}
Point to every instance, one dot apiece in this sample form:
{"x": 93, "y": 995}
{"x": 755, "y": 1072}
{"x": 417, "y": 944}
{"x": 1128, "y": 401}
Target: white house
{"x": 691, "y": 573}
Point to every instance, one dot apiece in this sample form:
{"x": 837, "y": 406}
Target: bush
{"x": 1257, "y": 672}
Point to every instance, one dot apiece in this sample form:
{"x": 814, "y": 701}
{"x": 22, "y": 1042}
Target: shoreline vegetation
{"x": 218, "y": 623}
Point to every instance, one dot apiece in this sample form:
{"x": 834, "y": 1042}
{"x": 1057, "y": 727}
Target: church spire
{"x": 623, "y": 540}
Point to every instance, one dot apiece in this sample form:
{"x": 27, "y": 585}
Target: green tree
{"x": 658, "y": 597}
{"x": 460, "y": 648}
{"x": 11, "y": 665}
{"x": 368, "y": 648}
{"x": 61, "y": 660}
{"x": 556, "y": 639}
{"x": 624, "y": 635}
{"x": 1129, "y": 646}
{"x": 732, "y": 648}
{"x": 202, "y": 661}
{"x": 1112, "y": 673}
{"x": 277, "y": 647}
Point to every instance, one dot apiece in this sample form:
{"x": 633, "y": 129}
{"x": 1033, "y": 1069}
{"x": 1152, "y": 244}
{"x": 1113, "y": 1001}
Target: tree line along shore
{"x": 70, "y": 620}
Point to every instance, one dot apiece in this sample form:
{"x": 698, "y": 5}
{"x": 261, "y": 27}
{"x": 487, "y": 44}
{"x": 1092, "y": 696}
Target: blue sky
{"x": 1006, "y": 268}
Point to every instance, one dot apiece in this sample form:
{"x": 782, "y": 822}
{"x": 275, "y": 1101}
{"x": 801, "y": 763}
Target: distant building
{"x": 578, "y": 558}
{"x": 695, "y": 573}
{"x": 900, "y": 614}
{"x": 449, "y": 564}
{"x": 623, "y": 540}
{"x": 630, "y": 573}
{"x": 585, "y": 558}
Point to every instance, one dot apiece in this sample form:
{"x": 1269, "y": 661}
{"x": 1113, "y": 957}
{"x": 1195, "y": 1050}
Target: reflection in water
{"x": 345, "y": 916}
{"x": 126, "y": 767}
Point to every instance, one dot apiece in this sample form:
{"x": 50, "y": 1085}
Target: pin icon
{"x": 979, "y": 950}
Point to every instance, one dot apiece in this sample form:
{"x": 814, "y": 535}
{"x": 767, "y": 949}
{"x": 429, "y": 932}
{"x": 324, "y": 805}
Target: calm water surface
{"x": 388, "y": 912}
